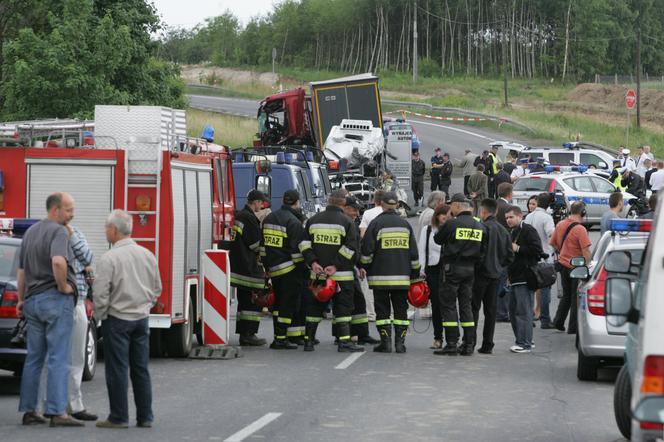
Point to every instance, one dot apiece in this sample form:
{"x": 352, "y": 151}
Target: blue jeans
{"x": 127, "y": 348}
{"x": 50, "y": 317}
{"x": 545, "y": 300}
{"x": 521, "y": 314}
{"x": 502, "y": 303}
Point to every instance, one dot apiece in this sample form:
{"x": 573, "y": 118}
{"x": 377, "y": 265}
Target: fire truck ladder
{"x": 144, "y": 164}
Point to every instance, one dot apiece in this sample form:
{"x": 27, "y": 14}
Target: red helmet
{"x": 264, "y": 298}
{"x": 418, "y": 294}
{"x": 323, "y": 289}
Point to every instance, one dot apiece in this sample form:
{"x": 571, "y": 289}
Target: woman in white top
{"x": 429, "y": 256}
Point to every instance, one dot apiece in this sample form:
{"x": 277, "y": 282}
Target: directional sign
{"x": 630, "y": 98}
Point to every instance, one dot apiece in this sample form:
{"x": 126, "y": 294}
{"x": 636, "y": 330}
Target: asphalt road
{"x": 331, "y": 396}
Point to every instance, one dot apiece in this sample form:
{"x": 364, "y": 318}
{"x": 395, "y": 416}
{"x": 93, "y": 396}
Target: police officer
{"x": 492, "y": 170}
{"x": 389, "y": 255}
{"x": 436, "y": 167}
{"x": 329, "y": 246}
{"x": 359, "y": 324}
{"x": 616, "y": 175}
{"x": 463, "y": 241}
{"x": 520, "y": 171}
{"x": 247, "y": 274}
{"x": 539, "y": 166}
{"x": 282, "y": 233}
{"x": 417, "y": 169}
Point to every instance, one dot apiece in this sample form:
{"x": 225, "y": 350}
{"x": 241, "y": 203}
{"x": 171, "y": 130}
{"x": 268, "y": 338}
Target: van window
{"x": 325, "y": 180}
{"x": 303, "y": 185}
{"x": 264, "y": 184}
{"x": 531, "y": 155}
{"x": 561, "y": 158}
{"x": 592, "y": 159}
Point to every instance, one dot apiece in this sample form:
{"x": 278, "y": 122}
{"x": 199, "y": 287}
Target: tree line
{"x": 535, "y": 38}
{"x": 58, "y": 58}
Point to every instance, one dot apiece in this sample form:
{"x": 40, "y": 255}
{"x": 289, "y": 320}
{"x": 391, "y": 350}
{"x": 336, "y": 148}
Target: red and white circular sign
{"x": 630, "y": 98}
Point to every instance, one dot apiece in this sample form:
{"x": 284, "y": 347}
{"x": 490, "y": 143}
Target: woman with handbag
{"x": 429, "y": 256}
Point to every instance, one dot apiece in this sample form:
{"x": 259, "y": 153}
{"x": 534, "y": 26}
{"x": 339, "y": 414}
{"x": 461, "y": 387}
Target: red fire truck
{"x": 140, "y": 161}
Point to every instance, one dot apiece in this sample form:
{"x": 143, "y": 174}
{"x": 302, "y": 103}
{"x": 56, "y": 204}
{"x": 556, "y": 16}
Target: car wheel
{"x": 180, "y": 336}
{"x": 586, "y": 368}
{"x": 90, "y": 365}
{"x": 622, "y": 395}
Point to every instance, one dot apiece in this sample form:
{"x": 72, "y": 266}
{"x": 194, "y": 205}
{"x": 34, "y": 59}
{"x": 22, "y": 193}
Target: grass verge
{"x": 229, "y": 130}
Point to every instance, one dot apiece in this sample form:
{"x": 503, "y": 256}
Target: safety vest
{"x": 617, "y": 181}
{"x": 494, "y": 163}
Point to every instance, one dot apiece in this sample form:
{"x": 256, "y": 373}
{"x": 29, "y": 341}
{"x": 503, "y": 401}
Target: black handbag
{"x": 19, "y": 334}
{"x": 543, "y": 275}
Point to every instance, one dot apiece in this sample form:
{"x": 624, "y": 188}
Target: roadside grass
{"x": 229, "y": 130}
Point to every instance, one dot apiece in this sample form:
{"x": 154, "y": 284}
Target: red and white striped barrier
{"x": 215, "y": 275}
{"x": 435, "y": 117}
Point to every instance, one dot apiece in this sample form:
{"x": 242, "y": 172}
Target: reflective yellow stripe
{"x": 346, "y": 252}
{"x": 275, "y": 233}
{"x": 366, "y": 259}
{"x": 245, "y": 316}
{"x": 468, "y": 324}
{"x": 282, "y": 271}
{"x": 389, "y": 283}
{"x": 414, "y": 265}
{"x": 313, "y": 319}
{"x": 359, "y": 319}
{"x": 344, "y": 338}
{"x": 450, "y": 324}
{"x": 383, "y": 322}
{"x": 341, "y": 319}
{"x": 282, "y": 320}
{"x": 304, "y": 245}
{"x": 343, "y": 276}
{"x": 401, "y": 322}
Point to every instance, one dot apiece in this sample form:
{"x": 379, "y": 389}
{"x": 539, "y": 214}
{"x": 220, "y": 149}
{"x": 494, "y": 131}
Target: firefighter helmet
{"x": 418, "y": 294}
{"x": 323, "y": 288}
{"x": 264, "y": 298}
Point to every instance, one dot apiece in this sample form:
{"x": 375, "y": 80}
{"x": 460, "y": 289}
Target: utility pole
{"x": 415, "y": 68}
{"x": 638, "y": 65}
{"x": 505, "y": 103}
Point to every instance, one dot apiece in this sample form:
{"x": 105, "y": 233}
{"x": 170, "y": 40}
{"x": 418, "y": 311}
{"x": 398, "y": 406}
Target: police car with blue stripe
{"x": 567, "y": 187}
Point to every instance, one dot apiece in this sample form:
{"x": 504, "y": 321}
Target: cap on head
{"x": 351, "y": 201}
{"x": 459, "y": 198}
{"x": 523, "y": 161}
{"x": 540, "y": 159}
{"x": 390, "y": 198}
{"x": 291, "y": 197}
{"x": 256, "y": 195}
{"x": 625, "y": 151}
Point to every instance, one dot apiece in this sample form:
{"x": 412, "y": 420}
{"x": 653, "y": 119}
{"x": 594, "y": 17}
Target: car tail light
{"x": 651, "y": 426}
{"x": 552, "y": 186}
{"x": 653, "y": 375}
{"x": 597, "y": 294}
{"x": 8, "y": 304}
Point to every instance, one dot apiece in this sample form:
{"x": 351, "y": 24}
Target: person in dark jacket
{"x": 436, "y": 165}
{"x": 498, "y": 256}
{"x": 247, "y": 274}
{"x": 462, "y": 241}
{"x": 418, "y": 169}
{"x": 282, "y": 233}
{"x": 527, "y": 249}
{"x": 633, "y": 184}
{"x": 446, "y": 174}
{"x": 650, "y": 169}
{"x": 501, "y": 176}
{"x": 390, "y": 258}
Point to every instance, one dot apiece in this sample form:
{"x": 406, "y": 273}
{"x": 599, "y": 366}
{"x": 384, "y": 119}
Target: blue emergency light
{"x": 631, "y": 225}
{"x": 310, "y": 156}
{"x": 549, "y": 169}
{"x": 281, "y": 157}
{"x": 580, "y": 168}
{"x": 289, "y": 158}
{"x": 300, "y": 156}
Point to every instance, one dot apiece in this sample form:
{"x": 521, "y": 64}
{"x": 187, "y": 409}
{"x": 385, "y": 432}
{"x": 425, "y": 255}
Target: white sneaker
{"x": 519, "y": 349}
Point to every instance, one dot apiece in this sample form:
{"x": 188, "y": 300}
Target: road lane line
{"x": 252, "y": 428}
{"x": 452, "y": 128}
{"x": 349, "y": 360}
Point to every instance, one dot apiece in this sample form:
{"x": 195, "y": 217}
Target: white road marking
{"x": 452, "y": 128}
{"x": 252, "y": 428}
{"x": 349, "y": 360}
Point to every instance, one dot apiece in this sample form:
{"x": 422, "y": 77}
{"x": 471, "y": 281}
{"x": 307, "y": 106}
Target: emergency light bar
{"x": 631, "y": 225}
{"x": 16, "y": 226}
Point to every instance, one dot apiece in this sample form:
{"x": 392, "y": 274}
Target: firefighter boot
{"x": 310, "y": 335}
{"x": 280, "y": 342}
{"x": 385, "y": 332}
{"x": 452, "y": 337}
{"x": 468, "y": 346}
{"x": 400, "y": 338}
{"x": 345, "y": 344}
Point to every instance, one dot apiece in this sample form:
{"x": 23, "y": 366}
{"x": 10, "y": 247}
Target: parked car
{"x": 601, "y": 342}
{"x": 570, "y": 153}
{"x": 572, "y": 186}
{"x": 11, "y": 357}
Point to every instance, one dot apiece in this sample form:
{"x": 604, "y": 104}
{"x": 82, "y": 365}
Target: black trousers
{"x": 342, "y": 309}
{"x": 359, "y": 323}
{"x": 568, "y": 303}
{"x": 492, "y": 188}
{"x": 417, "y": 187}
{"x": 435, "y": 181}
{"x": 287, "y": 289}
{"x": 248, "y": 313}
{"x": 465, "y": 185}
{"x": 457, "y": 286}
{"x": 485, "y": 293}
{"x": 399, "y": 302}
{"x": 433, "y": 279}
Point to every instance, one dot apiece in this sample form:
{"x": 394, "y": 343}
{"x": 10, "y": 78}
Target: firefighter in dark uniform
{"x": 389, "y": 255}
{"x": 329, "y": 247}
{"x": 282, "y": 233}
{"x": 247, "y": 274}
{"x": 359, "y": 324}
{"x": 463, "y": 241}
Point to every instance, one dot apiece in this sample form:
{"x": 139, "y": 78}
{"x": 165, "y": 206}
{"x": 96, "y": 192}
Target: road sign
{"x": 630, "y": 98}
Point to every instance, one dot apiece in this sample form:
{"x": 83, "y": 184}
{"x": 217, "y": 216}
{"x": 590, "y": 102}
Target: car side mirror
{"x": 602, "y": 165}
{"x": 580, "y": 272}
{"x": 578, "y": 261}
{"x": 618, "y": 262}
{"x": 649, "y": 409}
{"x": 618, "y": 297}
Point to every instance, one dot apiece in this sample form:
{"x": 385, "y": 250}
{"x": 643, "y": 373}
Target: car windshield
{"x": 534, "y": 184}
{"x": 8, "y": 261}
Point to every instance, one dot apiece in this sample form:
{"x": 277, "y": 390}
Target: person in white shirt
{"x": 435, "y": 199}
{"x": 371, "y": 214}
{"x": 657, "y": 178}
{"x": 520, "y": 171}
{"x": 642, "y": 156}
{"x": 543, "y": 223}
{"x": 626, "y": 161}
{"x": 429, "y": 257}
